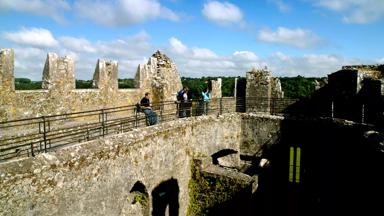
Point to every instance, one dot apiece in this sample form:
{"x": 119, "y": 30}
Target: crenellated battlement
{"x": 59, "y": 94}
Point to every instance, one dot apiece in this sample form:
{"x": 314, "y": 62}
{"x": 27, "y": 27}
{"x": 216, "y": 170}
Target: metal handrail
{"x": 30, "y": 136}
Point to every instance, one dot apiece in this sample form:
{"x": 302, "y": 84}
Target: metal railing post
{"x": 105, "y": 122}
{"x": 221, "y": 106}
{"x": 362, "y": 113}
{"x": 44, "y": 134}
{"x": 161, "y": 113}
{"x": 32, "y": 153}
{"x": 135, "y": 124}
{"x": 102, "y": 121}
{"x": 332, "y": 109}
{"x": 190, "y": 109}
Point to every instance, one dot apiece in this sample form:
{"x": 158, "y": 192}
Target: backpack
{"x": 179, "y": 96}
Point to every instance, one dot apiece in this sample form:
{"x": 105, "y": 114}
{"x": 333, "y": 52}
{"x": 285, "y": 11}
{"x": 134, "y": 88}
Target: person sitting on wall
{"x": 147, "y": 109}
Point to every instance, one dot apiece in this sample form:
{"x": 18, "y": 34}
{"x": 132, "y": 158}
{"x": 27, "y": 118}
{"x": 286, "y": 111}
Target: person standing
{"x": 206, "y": 98}
{"x": 187, "y": 103}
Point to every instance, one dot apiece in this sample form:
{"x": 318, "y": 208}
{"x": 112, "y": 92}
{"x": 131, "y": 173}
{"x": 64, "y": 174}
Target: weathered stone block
{"x": 7, "y": 83}
{"x": 59, "y": 74}
{"x": 260, "y": 89}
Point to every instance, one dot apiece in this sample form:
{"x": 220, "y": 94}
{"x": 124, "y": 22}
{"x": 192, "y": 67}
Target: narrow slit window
{"x": 294, "y": 164}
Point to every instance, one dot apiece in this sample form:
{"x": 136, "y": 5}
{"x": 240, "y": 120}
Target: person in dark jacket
{"x": 147, "y": 109}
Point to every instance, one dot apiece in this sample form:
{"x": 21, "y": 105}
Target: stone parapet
{"x": 159, "y": 77}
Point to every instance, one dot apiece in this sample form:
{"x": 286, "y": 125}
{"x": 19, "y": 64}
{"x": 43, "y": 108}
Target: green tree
{"x": 298, "y": 87}
{"x": 83, "y": 84}
{"x": 27, "y": 84}
{"x": 126, "y": 83}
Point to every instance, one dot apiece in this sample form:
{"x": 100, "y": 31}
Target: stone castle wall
{"x": 95, "y": 178}
{"x": 60, "y": 96}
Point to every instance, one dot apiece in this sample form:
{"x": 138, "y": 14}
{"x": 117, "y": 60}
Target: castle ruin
{"x": 249, "y": 162}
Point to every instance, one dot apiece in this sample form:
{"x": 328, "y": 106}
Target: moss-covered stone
{"x": 206, "y": 191}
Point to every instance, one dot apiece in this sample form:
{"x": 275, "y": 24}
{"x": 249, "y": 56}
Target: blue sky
{"x": 203, "y": 38}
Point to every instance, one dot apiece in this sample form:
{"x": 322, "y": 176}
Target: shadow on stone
{"x": 141, "y": 196}
{"x": 166, "y": 194}
{"x": 220, "y": 154}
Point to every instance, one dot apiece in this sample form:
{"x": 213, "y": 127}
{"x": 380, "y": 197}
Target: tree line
{"x": 293, "y": 87}
{"x": 27, "y": 84}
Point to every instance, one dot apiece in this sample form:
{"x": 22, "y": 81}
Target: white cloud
{"x": 28, "y": 60}
{"x": 245, "y": 55}
{"x": 281, "y": 5}
{"x": 310, "y": 65}
{"x": 77, "y": 44}
{"x": 355, "y": 11}
{"x": 129, "y": 47}
{"x": 129, "y": 51}
{"x": 197, "y": 61}
{"x": 132, "y": 50}
{"x": 123, "y": 12}
{"x": 203, "y": 53}
{"x": 51, "y": 8}
{"x": 177, "y": 46}
{"x": 222, "y": 13}
{"x": 37, "y": 37}
{"x": 281, "y": 56}
{"x": 298, "y": 37}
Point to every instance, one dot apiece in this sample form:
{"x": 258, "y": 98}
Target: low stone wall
{"x": 95, "y": 178}
{"x": 24, "y": 104}
{"x": 259, "y": 131}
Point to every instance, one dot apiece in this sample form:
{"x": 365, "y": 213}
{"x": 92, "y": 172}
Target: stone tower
{"x": 159, "y": 76}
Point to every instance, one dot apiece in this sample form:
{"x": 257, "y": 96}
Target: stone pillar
{"x": 216, "y": 88}
{"x": 160, "y": 77}
{"x": 258, "y": 90}
{"x": 235, "y": 90}
{"x": 7, "y": 84}
{"x": 59, "y": 73}
{"x": 105, "y": 79}
{"x": 105, "y": 76}
{"x": 59, "y": 80}
{"x": 7, "y": 79}
{"x": 166, "y": 81}
{"x": 277, "y": 91}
